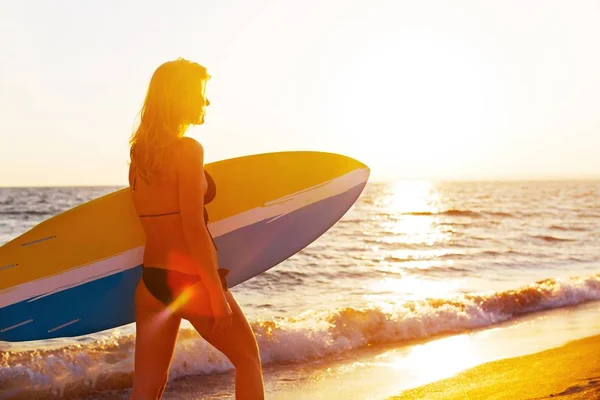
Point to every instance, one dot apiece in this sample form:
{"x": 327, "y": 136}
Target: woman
{"x": 180, "y": 269}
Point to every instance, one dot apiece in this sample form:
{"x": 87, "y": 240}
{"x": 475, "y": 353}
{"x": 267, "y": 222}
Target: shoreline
{"x": 568, "y": 372}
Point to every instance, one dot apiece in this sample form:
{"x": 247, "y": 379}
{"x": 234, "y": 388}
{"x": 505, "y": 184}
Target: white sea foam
{"x": 108, "y": 363}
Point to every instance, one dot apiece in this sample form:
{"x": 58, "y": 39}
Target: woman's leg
{"x": 237, "y": 343}
{"x": 156, "y": 334}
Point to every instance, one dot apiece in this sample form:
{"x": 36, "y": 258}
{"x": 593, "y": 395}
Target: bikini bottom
{"x": 166, "y": 285}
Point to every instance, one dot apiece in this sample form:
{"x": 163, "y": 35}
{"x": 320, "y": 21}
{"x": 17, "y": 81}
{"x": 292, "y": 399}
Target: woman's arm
{"x": 191, "y": 205}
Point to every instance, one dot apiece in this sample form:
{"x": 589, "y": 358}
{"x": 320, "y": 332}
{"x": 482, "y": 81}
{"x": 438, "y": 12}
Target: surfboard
{"x": 76, "y": 273}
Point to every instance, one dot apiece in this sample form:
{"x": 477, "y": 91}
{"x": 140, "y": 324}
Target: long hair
{"x": 173, "y": 102}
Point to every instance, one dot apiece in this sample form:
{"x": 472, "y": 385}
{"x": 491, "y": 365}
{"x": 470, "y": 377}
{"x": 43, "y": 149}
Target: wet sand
{"x": 569, "y": 372}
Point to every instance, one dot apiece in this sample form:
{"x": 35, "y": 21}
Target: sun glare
{"x": 412, "y": 206}
{"x": 413, "y": 197}
{"x": 436, "y": 360}
{"x": 414, "y": 239}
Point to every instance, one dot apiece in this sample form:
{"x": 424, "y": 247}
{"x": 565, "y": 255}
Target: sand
{"x": 569, "y": 372}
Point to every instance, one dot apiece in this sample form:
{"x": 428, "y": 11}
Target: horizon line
{"x": 393, "y": 180}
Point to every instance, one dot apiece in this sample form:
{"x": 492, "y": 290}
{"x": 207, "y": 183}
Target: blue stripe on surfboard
{"x": 108, "y": 302}
{"x": 95, "y": 306}
{"x": 267, "y": 243}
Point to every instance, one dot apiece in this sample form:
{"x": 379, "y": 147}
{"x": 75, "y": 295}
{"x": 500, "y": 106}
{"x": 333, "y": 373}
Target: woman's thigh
{"x": 156, "y": 334}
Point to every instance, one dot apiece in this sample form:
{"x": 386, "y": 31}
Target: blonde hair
{"x": 173, "y": 102}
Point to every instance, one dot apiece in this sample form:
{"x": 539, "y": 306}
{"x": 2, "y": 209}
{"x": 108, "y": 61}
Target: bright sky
{"x": 415, "y": 89}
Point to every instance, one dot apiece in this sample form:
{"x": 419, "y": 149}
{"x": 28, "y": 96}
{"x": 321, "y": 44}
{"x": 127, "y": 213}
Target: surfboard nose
{"x": 359, "y": 164}
{"x": 350, "y": 163}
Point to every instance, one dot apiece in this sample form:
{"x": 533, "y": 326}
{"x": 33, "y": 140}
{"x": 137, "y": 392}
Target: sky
{"x": 442, "y": 90}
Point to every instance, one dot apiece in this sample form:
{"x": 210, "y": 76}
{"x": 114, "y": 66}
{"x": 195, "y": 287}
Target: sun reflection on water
{"x": 413, "y": 197}
{"x": 435, "y": 360}
{"x": 414, "y": 239}
{"x": 412, "y": 220}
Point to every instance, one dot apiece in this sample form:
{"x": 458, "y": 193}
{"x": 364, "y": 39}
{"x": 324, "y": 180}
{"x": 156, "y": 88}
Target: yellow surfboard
{"x": 76, "y": 272}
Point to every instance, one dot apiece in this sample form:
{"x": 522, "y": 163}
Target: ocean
{"x": 414, "y": 267}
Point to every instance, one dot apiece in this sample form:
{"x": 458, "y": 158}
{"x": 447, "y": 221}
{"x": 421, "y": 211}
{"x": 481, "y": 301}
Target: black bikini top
{"x": 211, "y": 191}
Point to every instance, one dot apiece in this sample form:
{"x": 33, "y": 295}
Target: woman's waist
{"x": 169, "y": 238}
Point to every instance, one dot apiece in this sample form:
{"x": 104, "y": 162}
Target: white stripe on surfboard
{"x": 290, "y": 203}
{"x": 15, "y": 326}
{"x": 43, "y": 287}
{"x": 88, "y": 279}
{"x": 63, "y": 325}
{"x": 40, "y": 288}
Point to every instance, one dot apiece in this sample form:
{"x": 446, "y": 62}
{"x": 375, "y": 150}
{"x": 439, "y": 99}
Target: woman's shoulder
{"x": 188, "y": 144}
{"x": 190, "y": 154}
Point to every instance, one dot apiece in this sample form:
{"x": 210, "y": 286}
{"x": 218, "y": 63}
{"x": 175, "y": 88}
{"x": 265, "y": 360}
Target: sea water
{"x": 413, "y": 265}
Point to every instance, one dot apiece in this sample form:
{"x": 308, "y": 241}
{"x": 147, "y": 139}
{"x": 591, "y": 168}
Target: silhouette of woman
{"x": 181, "y": 277}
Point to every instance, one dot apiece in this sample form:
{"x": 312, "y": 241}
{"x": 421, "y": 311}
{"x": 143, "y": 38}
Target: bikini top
{"x": 211, "y": 193}
{"x": 209, "y": 196}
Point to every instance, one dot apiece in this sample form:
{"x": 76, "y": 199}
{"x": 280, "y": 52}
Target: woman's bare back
{"x": 159, "y": 210}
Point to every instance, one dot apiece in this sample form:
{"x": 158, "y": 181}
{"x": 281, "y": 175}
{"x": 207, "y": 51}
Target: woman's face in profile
{"x": 203, "y": 103}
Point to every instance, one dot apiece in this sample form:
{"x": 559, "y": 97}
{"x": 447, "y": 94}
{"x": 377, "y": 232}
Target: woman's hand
{"x": 222, "y": 314}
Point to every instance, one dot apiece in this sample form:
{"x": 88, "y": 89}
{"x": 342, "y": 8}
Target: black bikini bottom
{"x": 166, "y": 285}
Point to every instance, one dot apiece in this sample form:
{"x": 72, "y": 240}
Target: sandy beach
{"x": 569, "y": 372}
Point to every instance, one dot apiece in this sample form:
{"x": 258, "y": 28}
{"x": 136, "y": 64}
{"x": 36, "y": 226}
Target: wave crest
{"x": 107, "y": 364}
